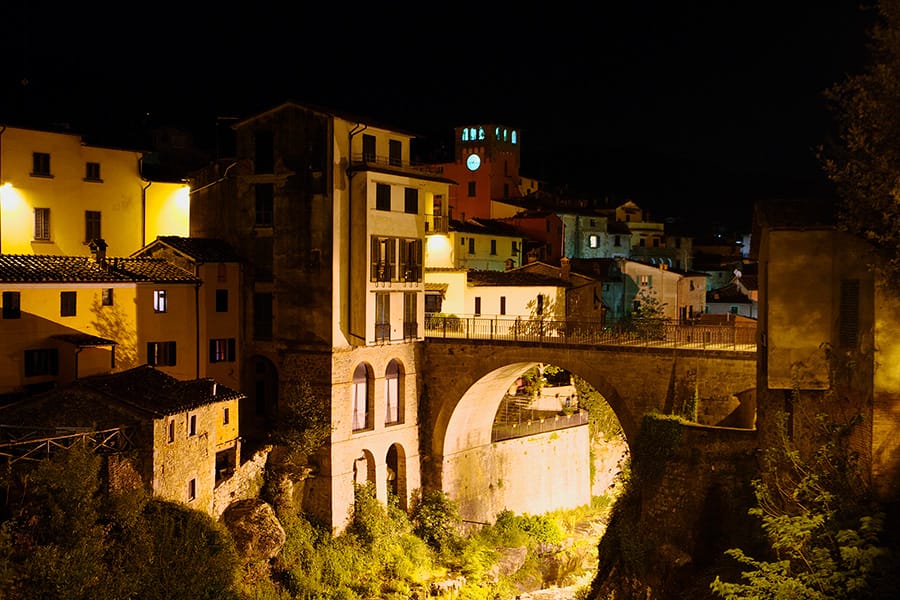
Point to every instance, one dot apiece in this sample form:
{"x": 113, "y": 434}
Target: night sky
{"x": 681, "y": 106}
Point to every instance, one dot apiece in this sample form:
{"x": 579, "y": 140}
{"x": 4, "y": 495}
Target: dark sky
{"x": 679, "y": 105}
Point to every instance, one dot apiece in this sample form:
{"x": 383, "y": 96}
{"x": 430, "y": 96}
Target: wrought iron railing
{"x": 507, "y": 431}
{"x": 650, "y": 332}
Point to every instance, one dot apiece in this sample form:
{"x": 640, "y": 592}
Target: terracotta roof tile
{"x": 41, "y": 268}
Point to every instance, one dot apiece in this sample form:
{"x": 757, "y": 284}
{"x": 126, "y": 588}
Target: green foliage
{"x": 602, "y": 420}
{"x": 865, "y": 162}
{"x": 304, "y": 421}
{"x": 822, "y": 527}
{"x": 68, "y": 540}
{"x": 659, "y": 437}
{"x": 435, "y": 518}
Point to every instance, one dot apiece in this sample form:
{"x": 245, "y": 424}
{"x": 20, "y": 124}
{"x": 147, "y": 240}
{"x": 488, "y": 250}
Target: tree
{"x": 865, "y": 163}
{"x": 822, "y": 528}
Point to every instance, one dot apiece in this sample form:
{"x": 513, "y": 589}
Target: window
{"x": 848, "y": 334}
{"x": 92, "y": 171}
{"x": 411, "y": 201}
{"x": 592, "y": 241}
{"x": 40, "y": 164}
{"x": 263, "y": 258}
{"x": 477, "y": 305}
{"x": 161, "y": 354}
{"x": 382, "y": 196}
{"x": 265, "y": 204}
{"x": 362, "y": 400}
{"x": 44, "y": 361}
{"x": 540, "y": 304}
{"x": 410, "y": 260}
{"x": 515, "y": 248}
{"x": 12, "y": 308}
{"x": 221, "y": 350}
{"x": 642, "y": 242}
{"x": 471, "y": 189}
{"x": 171, "y": 431}
{"x": 433, "y": 303}
{"x": 493, "y": 247}
{"x": 67, "y": 303}
{"x": 221, "y": 300}
{"x": 383, "y": 258}
{"x": 42, "y": 224}
{"x": 192, "y": 490}
{"x": 106, "y": 297}
{"x": 392, "y": 393}
{"x": 395, "y": 153}
{"x": 264, "y": 157}
{"x": 471, "y": 245}
{"x": 656, "y": 242}
{"x": 410, "y": 315}
{"x": 382, "y": 317}
{"x": 506, "y": 190}
{"x": 617, "y": 241}
{"x": 368, "y": 147}
{"x": 192, "y": 425}
{"x": 226, "y": 416}
{"x": 646, "y": 281}
{"x": 160, "y": 304}
{"x": 92, "y": 225}
{"x": 262, "y": 316}
{"x": 502, "y": 305}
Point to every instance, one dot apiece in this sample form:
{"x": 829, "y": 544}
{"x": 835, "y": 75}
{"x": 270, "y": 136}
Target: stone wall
{"x": 246, "y": 482}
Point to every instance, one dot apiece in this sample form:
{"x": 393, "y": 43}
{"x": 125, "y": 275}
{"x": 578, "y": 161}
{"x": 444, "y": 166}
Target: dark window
{"x": 192, "y": 425}
{"x": 382, "y": 196}
{"x": 382, "y": 317}
{"x": 92, "y": 225}
{"x": 477, "y": 305}
{"x": 471, "y": 189}
{"x": 106, "y": 297}
{"x": 395, "y": 153}
{"x": 493, "y": 246}
{"x": 265, "y": 204}
{"x": 161, "y": 354}
{"x": 44, "y": 361}
{"x": 383, "y": 259}
{"x": 92, "y": 171}
{"x": 506, "y": 190}
{"x": 262, "y": 316}
{"x": 410, "y": 315}
{"x": 368, "y": 147}
{"x": 222, "y": 350}
{"x": 502, "y": 305}
{"x": 411, "y": 201}
{"x": 263, "y": 258}
{"x": 226, "y": 417}
{"x": 471, "y": 245}
{"x": 515, "y": 248}
{"x": 67, "y": 302}
{"x": 656, "y": 242}
{"x": 265, "y": 152}
{"x": 40, "y": 164}
{"x": 42, "y": 223}
{"x": 12, "y": 308}
{"x": 540, "y": 304}
{"x": 848, "y": 336}
{"x": 221, "y": 300}
{"x": 617, "y": 241}
{"x": 433, "y": 303}
{"x": 192, "y": 489}
{"x": 171, "y": 431}
{"x": 410, "y": 260}
{"x": 160, "y": 301}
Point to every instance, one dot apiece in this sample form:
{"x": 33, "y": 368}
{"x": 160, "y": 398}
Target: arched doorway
{"x": 396, "y": 475}
{"x": 261, "y": 405}
{"x": 364, "y": 469}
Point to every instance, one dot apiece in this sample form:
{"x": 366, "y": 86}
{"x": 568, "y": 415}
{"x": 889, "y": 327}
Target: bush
{"x": 435, "y": 518}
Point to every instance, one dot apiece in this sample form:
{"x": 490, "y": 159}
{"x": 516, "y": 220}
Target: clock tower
{"x": 486, "y": 168}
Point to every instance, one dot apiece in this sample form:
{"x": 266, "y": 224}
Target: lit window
{"x": 361, "y": 399}
{"x": 42, "y": 224}
{"x": 160, "y": 304}
{"x": 106, "y": 297}
{"x": 222, "y": 350}
{"x": 592, "y": 241}
{"x": 392, "y": 393}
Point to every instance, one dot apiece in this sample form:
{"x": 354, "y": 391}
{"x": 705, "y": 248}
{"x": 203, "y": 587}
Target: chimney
{"x": 98, "y": 250}
{"x": 564, "y": 268}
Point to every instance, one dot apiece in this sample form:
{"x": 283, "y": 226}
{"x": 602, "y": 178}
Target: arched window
{"x": 362, "y": 404}
{"x": 513, "y": 136}
{"x": 481, "y": 133}
{"x": 392, "y": 393}
{"x": 465, "y": 134}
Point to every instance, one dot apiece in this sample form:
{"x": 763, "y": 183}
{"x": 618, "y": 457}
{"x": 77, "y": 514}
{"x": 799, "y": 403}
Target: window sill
{"x": 92, "y": 180}
{"x": 42, "y": 175}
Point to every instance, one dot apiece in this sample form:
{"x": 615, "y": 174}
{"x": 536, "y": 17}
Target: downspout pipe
{"x": 357, "y": 129}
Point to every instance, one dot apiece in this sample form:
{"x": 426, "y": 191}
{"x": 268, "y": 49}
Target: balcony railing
{"x": 650, "y": 332}
{"x": 382, "y": 332}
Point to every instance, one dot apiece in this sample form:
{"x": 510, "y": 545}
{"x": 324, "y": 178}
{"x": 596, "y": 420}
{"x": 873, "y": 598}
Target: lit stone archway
{"x": 396, "y": 474}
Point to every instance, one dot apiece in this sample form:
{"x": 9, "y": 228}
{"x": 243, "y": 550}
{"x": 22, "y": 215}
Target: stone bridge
{"x": 464, "y": 381}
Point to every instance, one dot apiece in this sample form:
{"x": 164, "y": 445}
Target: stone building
{"x": 330, "y": 215}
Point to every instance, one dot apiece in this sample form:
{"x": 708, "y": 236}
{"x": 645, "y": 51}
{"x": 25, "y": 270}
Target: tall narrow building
{"x": 329, "y": 215}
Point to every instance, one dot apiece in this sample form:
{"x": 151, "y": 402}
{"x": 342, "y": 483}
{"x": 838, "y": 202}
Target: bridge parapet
{"x": 654, "y": 333}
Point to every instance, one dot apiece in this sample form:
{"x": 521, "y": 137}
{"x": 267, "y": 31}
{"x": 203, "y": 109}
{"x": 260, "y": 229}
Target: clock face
{"x": 473, "y": 162}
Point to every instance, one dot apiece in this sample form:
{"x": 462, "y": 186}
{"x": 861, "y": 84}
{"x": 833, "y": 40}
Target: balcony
{"x": 360, "y": 161}
{"x": 436, "y": 224}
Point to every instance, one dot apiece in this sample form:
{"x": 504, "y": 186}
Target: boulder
{"x": 256, "y": 531}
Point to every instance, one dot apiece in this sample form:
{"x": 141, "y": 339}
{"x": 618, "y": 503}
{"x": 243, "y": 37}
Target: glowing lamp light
{"x": 183, "y": 198}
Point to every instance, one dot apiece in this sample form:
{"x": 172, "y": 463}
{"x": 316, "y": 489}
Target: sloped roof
{"x": 204, "y": 250}
{"x": 605, "y": 269}
{"x": 485, "y": 226}
{"x": 42, "y": 268}
{"x": 514, "y": 277}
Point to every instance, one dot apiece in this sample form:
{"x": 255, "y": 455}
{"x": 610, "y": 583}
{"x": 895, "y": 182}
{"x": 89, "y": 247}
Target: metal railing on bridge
{"x": 648, "y": 333}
